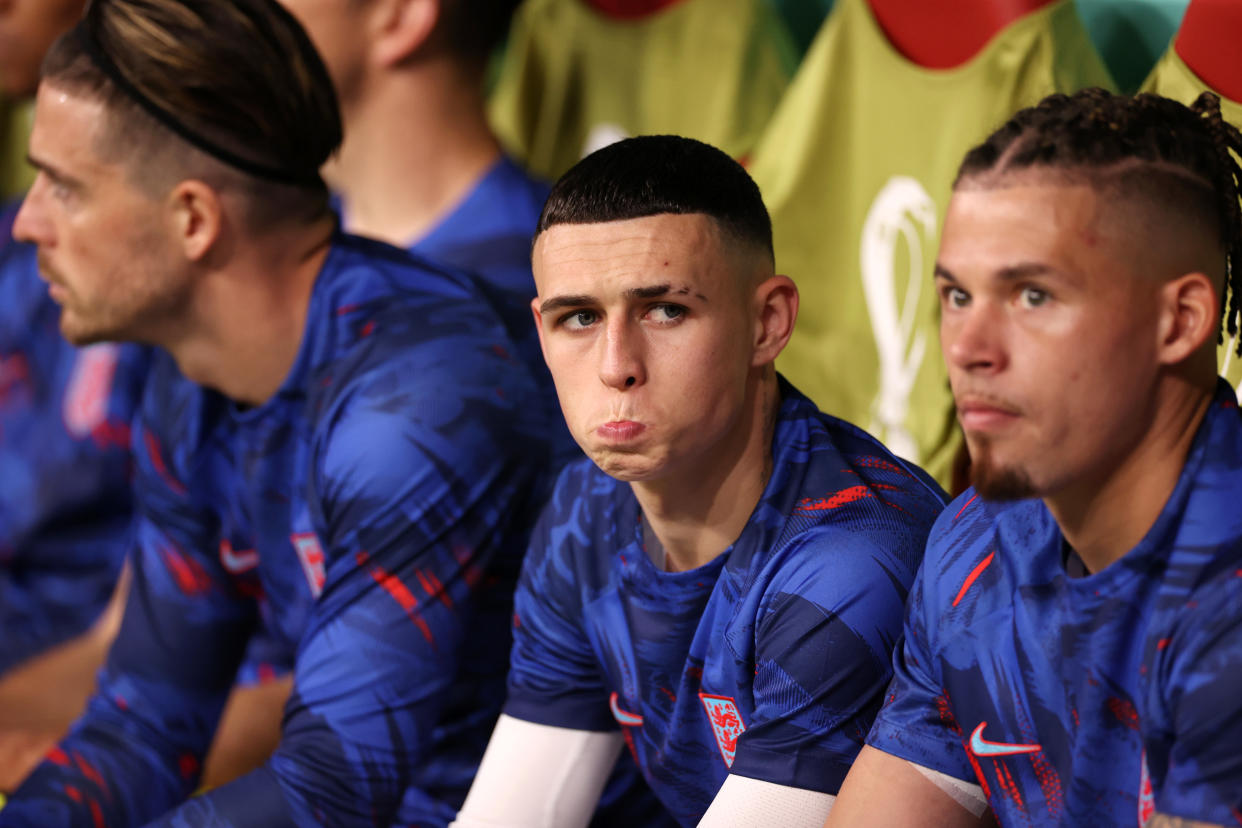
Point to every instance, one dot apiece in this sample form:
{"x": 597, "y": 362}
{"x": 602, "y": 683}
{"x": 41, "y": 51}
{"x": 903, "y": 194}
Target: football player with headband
{"x": 335, "y": 445}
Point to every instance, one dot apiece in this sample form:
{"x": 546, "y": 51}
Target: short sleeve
{"x": 915, "y": 722}
{"x": 823, "y": 637}
{"x": 554, "y": 675}
{"x": 1194, "y": 759}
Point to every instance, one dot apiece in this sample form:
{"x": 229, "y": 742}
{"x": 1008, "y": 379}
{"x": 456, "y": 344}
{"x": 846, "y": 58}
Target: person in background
{"x": 420, "y": 167}
{"x": 335, "y": 446}
{"x": 720, "y": 585}
{"x": 1071, "y": 643}
{"x": 65, "y": 500}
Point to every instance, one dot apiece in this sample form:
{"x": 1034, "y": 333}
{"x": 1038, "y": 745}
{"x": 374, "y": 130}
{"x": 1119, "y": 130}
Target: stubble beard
{"x": 996, "y": 482}
{"x": 148, "y": 300}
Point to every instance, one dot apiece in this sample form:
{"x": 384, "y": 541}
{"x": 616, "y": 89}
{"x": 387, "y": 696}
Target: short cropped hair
{"x": 656, "y": 174}
{"x": 235, "y": 80}
{"x": 1143, "y": 146}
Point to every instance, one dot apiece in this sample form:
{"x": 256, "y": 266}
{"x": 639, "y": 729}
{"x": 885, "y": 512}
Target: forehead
{"x": 1025, "y": 222}
{"x": 68, "y": 128}
{"x": 621, "y": 253}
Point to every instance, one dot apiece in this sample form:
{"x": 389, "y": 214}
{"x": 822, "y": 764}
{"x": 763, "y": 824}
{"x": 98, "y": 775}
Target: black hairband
{"x": 104, "y": 63}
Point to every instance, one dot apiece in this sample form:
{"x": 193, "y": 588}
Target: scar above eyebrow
{"x": 656, "y": 291}
{"x": 650, "y": 292}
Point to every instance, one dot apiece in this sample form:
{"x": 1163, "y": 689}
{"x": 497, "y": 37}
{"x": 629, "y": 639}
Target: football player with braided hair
{"x": 1072, "y": 641}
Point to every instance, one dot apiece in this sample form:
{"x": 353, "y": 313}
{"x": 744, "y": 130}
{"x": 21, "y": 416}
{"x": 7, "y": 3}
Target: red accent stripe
{"x": 157, "y": 460}
{"x": 402, "y": 595}
{"x": 964, "y": 505}
{"x": 974, "y": 574}
{"x": 89, "y": 771}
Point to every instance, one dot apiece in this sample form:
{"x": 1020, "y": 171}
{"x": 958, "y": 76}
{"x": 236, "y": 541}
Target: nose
{"x": 30, "y": 224}
{"x": 621, "y": 364}
{"x": 973, "y": 338}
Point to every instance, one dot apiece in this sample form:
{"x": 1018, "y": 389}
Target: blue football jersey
{"x": 1097, "y": 700}
{"x": 488, "y": 234}
{"x": 769, "y": 661}
{"x": 374, "y": 512}
{"x": 65, "y": 418}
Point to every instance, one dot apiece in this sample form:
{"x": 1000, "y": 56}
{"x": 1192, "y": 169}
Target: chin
{"x": 82, "y": 335}
{"x": 628, "y": 468}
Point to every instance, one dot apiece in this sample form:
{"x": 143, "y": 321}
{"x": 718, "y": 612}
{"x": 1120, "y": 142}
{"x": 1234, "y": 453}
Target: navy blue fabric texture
{"x": 769, "y": 661}
{"x": 1083, "y": 701}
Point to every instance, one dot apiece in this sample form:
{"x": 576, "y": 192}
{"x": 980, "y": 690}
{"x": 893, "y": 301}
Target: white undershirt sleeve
{"x": 743, "y": 802}
{"x": 967, "y": 794}
{"x": 538, "y": 776}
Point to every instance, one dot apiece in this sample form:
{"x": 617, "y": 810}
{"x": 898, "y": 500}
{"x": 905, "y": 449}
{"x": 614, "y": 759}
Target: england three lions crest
{"x": 726, "y": 723}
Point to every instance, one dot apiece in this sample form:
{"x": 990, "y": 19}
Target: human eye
{"x": 1033, "y": 297}
{"x": 666, "y": 313}
{"x": 953, "y": 296}
{"x": 577, "y": 320}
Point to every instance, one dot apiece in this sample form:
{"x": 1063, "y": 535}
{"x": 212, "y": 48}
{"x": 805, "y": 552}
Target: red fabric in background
{"x": 1210, "y": 43}
{"x": 942, "y": 34}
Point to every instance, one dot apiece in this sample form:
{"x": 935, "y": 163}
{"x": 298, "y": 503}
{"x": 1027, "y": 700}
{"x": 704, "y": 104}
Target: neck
{"x": 699, "y": 513}
{"x": 417, "y": 142}
{"x": 1105, "y": 517}
{"x": 244, "y": 324}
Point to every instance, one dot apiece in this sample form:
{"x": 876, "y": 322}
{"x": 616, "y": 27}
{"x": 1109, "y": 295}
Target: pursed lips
{"x": 982, "y": 412}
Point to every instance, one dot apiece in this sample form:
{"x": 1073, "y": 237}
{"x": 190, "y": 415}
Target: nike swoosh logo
{"x": 982, "y": 747}
{"x": 237, "y": 561}
{"x": 622, "y": 716}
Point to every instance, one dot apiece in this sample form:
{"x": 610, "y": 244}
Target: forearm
{"x": 47, "y": 611}
{"x": 1166, "y": 821}
{"x": 256, "y": 800}
{"x": 103, "y": 773}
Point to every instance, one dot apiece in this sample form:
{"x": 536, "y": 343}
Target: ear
{"x": 197, "y": 217}
{"x": 1189, "y": 317}
{"x": 402, "y": 27}
{"x": 538, "y": 314}
{"x": 776, "y": 304}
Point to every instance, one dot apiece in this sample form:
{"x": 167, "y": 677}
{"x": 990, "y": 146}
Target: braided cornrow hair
{"x": 1097, "y": 132}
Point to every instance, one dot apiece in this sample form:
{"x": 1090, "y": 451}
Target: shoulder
{"x": 836, "y": 474}
{"x": 834, "y": 568}
{"x": 583, "y": 523}
{"x": 583, "y": 507}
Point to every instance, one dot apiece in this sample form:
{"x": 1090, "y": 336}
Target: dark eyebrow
{"x": 577, "y": 301}
{"x": 565, "y": 302}
{"x": 652, "y": 292}
{"x": 1024, "y": 270}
